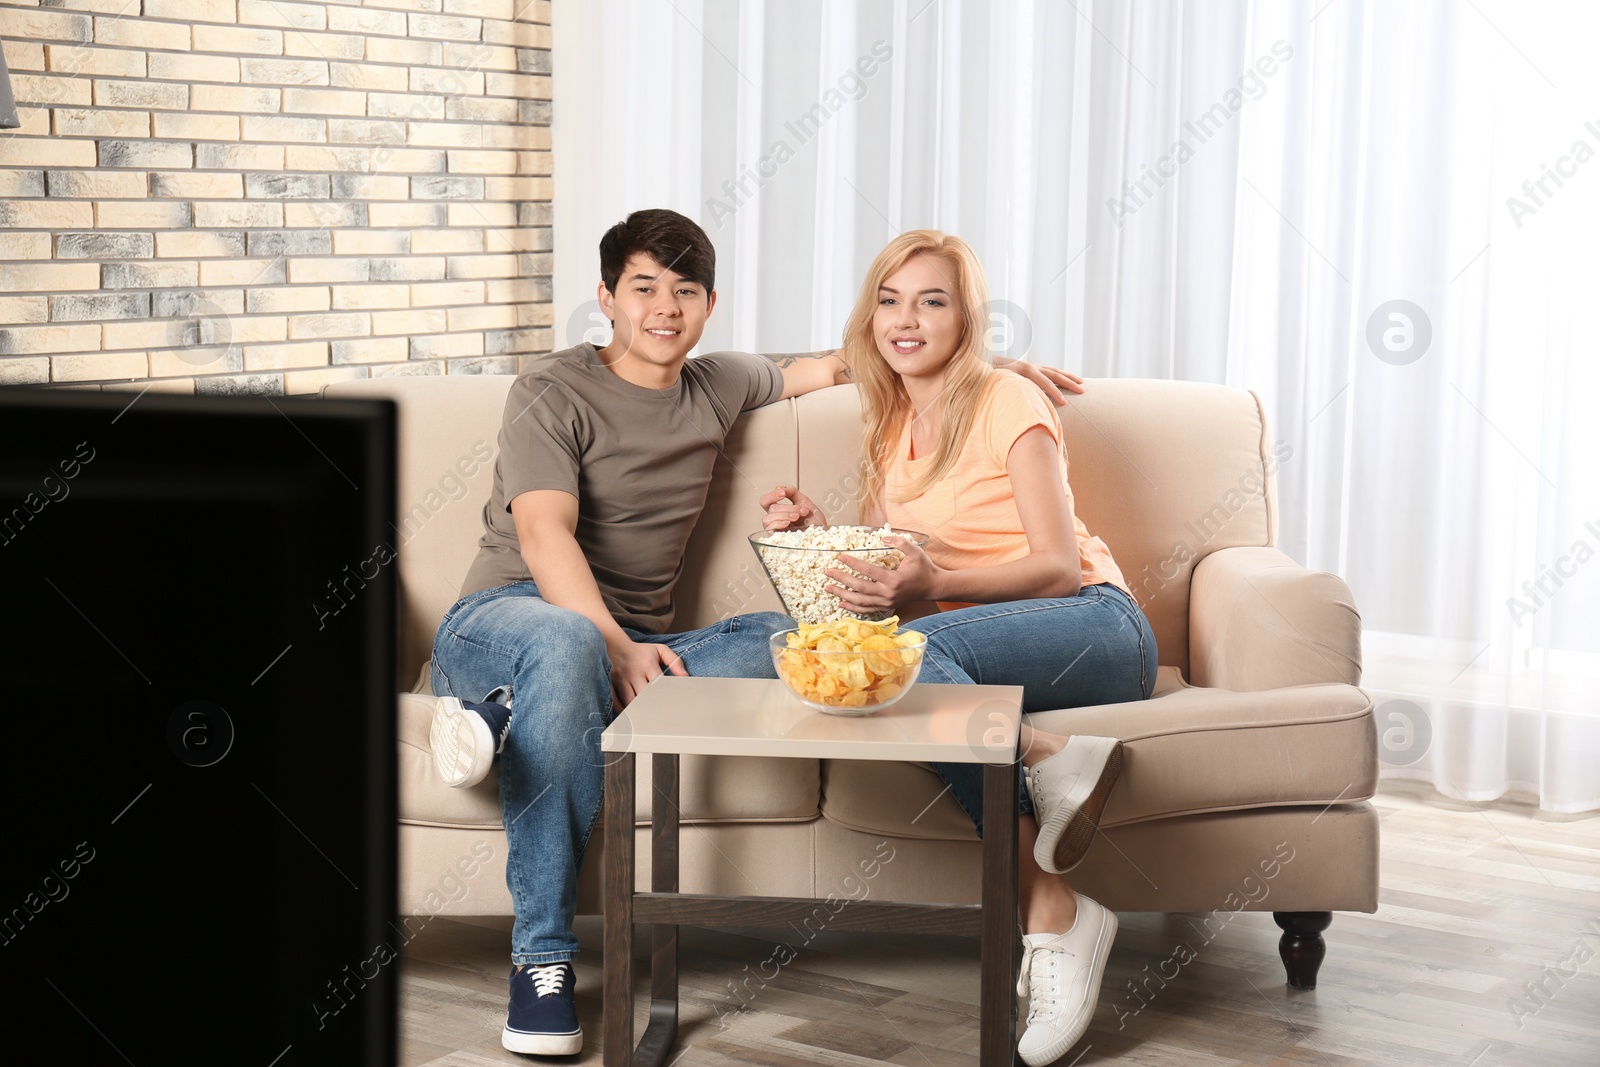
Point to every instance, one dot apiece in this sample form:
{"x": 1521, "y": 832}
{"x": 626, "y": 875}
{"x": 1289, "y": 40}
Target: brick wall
{"x": 225, "y": 196}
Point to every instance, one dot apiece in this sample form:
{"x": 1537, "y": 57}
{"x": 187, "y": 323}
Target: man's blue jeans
{"x": 1066, "y": 652}
{"x": 554, "y": 661}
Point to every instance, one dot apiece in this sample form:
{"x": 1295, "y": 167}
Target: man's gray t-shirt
{"x": 639, "y": 461}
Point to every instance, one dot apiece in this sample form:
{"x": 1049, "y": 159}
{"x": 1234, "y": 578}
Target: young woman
{"x": 1027, "y": 596}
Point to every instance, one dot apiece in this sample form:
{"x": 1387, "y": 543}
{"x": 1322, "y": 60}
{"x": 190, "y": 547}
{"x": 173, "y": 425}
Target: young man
{"x": 605, "y": 458}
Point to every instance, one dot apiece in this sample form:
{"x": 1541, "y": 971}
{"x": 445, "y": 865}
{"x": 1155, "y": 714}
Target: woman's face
{"x": 918, "y": 322}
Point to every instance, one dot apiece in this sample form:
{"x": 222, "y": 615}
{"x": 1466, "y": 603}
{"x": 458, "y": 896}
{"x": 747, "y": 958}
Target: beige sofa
{"x": 1246, "y": 775}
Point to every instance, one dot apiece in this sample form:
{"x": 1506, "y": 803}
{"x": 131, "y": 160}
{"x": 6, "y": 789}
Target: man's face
{"x": 657, "y": 315}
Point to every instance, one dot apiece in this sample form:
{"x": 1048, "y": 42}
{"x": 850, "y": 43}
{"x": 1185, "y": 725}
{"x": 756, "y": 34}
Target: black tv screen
{"x": 199, "y": 635}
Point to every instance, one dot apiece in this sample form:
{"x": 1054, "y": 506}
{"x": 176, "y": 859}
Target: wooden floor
{"x": 1485, "y": 951}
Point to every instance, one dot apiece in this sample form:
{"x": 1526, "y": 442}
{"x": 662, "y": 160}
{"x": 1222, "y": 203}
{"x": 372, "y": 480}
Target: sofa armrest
{"x": 1259, "y": 620}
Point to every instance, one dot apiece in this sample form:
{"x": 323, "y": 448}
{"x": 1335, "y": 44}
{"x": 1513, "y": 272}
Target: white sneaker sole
{"x": 542, "y": 1044}
{"x": 1054, "y": 1050}
{"x": 463, "y": 748}
{"x": 1086, "y": 770}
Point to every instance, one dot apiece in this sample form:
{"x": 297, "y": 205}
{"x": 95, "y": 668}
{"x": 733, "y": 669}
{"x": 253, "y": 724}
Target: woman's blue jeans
{"x": 555, "y": 664}
{"x": 1066, "y": 652}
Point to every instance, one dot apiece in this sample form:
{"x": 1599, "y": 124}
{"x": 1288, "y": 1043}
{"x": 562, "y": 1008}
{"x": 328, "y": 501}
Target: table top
{"x": 761, "y": 717}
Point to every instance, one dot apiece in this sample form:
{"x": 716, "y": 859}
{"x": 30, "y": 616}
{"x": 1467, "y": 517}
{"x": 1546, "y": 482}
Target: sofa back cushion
{"x": 1164, "y": 472}
{"x": 447, "y": 429}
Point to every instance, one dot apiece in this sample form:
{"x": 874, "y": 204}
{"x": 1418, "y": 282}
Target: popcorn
{"x": 801, "y": 578}
{"x": 848, "y": 664}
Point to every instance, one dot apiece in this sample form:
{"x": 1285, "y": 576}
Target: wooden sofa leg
{"x": 1301, "y": 945}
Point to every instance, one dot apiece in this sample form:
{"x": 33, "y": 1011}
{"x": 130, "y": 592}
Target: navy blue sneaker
{"x": 543, "y": 1017}
{"x": 467, "y": 739}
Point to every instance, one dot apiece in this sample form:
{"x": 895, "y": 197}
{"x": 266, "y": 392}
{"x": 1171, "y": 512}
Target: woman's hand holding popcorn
{"x": 797, "y": 561}
{"x": 875, "y": 589}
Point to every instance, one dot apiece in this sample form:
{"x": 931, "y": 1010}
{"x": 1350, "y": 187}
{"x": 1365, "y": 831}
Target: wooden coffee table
{"x": 756, "y": 717}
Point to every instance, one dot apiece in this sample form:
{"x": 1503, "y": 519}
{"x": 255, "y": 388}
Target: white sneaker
{"x": 466, "y": 740}
{"x": 1061, "y": 978}
{"x": 1069, "y": 792}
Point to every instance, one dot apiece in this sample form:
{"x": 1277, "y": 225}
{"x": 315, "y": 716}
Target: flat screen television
{"x": 199, "y": 639}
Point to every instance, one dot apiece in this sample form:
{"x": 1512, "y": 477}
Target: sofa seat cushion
{"x": 1187, "y": 751}
{"x": 714, "y": 789}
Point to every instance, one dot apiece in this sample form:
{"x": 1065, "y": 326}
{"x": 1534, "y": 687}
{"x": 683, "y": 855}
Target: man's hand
{"x": 1051, "y": 379}
{"x": 787, "y": 508}
{"x": 635, "y": 664}
{"x": 805, "y": 372}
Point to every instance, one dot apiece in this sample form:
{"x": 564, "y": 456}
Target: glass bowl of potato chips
{"x": 848, "y": 666}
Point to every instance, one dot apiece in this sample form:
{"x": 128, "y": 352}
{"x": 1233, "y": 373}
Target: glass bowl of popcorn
{"x": 848, "y": 667}
{"x": 797, "y": 564}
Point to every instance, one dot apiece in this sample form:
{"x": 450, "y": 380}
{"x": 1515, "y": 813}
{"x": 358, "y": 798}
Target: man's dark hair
{"x": 673, "y": 240}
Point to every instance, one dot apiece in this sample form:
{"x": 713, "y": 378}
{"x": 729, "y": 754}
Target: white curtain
{"x": 1382, "y": 216}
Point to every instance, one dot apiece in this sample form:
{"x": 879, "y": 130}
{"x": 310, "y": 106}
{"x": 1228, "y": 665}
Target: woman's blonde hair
{"x": 968, "y": 376}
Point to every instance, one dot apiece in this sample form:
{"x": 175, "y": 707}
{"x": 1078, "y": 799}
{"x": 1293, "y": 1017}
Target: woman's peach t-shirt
{"x": 971, "y": 514}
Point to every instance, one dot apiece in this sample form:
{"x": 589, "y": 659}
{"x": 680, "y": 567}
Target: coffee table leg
{"x": 617, "y": 984}
{"x": 997, "y": 998}
{"x": 662, "y": 1032}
